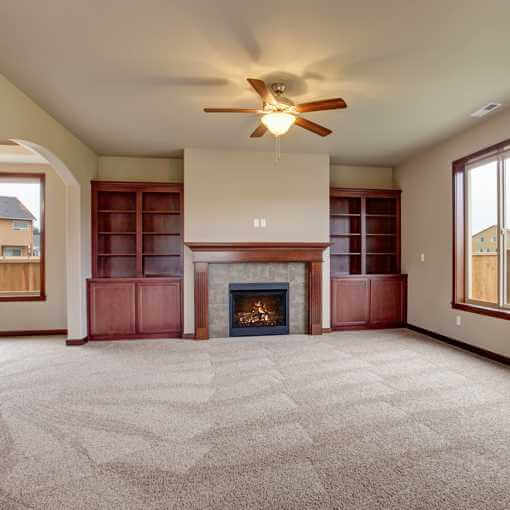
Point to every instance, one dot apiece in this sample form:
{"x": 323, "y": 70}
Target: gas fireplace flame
{"x": 259, "y": 315}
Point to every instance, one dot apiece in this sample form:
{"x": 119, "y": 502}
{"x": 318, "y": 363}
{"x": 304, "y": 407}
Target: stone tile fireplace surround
{"x": 218, "y": 264}
{"x": 221, "y": 275}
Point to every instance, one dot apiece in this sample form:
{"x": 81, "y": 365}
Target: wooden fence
{"x": 20, "y": 274}
{"x": 484, "y": 277}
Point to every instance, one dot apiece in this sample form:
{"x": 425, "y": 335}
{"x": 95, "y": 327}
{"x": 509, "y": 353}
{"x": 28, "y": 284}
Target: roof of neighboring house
{"x": 12, "y": 209}
{"x": 489, "y": 228}
{"x": 484, "y": 230}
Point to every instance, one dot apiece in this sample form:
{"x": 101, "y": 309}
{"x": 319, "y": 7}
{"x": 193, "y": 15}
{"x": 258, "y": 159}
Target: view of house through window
{"x": 488, "y": 225}
{"x": 21, "y": 242}
{"x": 482, "y": 221}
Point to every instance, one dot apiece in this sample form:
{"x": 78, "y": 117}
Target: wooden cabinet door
{"x": 159, "y": 307}
{"x": 387, "y": 301}
{"x": 350, "y": 299}
{"x": 112, "y": 309}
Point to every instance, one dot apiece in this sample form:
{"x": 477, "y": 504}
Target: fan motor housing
{"x": 278, "y": 87}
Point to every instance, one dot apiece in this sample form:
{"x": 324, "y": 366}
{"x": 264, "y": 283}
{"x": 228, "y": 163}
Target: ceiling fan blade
{"x": 312, "y": 126}
{"x": 232, "y": 110}
{"x": 323, "y": 104}
{"x": 260, "y": 131}
{"x": 262, "y": 90}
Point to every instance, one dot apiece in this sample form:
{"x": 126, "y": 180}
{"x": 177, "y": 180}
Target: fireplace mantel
{"x": 218, "y": 253}
{"x": 257, "y": 252}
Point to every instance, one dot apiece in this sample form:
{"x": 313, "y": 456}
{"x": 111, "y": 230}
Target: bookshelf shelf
{"x": 137, "y": 229}
{"x": 161, "y": 212}
{"x": 364, "y": 232}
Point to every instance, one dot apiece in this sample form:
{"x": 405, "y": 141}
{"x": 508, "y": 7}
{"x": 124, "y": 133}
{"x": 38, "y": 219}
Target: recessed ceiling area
{"x": 131, "y": 78}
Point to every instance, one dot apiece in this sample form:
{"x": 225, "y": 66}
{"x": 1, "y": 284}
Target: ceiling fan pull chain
{"x": 277, "y": 152}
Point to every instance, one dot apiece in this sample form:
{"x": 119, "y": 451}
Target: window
{"x": 20, "y": 225}
{"x": 481, "y": 215}
{"x": 22, "y": 237}
{"x": 481, "y": 198}
{"x": 12, "y": 251}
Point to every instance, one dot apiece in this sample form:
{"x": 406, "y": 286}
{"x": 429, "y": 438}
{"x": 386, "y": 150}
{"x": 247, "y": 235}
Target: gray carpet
{"x": 362, "y": 420}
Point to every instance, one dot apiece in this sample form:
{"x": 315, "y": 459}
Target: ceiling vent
{"x": 484, "y": 110}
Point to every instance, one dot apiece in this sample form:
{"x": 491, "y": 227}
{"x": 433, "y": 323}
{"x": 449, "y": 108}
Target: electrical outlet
{"x": 256, "y": 222}
{"x": 262, "y": 222}
{"x": 458, "y": 320}
{"x": 422, "y": 257}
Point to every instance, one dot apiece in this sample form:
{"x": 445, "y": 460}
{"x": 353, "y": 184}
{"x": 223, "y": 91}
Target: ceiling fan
{"x": 279, "y": 113}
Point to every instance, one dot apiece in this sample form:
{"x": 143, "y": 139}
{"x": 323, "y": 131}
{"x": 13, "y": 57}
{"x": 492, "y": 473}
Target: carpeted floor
{"x": 362, "y": 420}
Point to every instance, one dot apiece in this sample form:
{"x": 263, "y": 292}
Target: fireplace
{"x": 259, "y": 309}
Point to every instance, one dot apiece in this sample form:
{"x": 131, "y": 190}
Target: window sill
{"x": 16, "y": 297}
{"x": 483, "y": 310}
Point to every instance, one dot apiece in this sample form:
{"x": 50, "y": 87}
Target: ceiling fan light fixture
{"x": 279, "y": 113}
{"x": 278, "y": 123}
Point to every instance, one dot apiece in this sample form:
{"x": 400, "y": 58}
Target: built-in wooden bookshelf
{"x": 367, "y": 289}
{"x": 137, "y": 260}
{"x": 137, "y": 230}
{"x": 365, "y": 232}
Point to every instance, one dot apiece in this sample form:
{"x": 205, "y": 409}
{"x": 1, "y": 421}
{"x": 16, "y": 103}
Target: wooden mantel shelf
{"x": 223, "y": 253}
{"x": 257, "y": 252}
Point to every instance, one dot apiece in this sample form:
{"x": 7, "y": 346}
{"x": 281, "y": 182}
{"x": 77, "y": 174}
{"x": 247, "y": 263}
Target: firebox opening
{"x": 259, "y": 309}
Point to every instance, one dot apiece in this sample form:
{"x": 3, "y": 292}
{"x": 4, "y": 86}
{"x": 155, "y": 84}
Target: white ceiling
{"x": 131, "y": 77}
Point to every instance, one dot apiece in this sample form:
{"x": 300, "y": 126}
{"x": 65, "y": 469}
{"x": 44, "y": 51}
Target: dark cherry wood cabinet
{"x": 388, "y": 297}
{"x": 137, "y": 260}
{"x": 124, "y": 308}
{"x": 364, "y": 302}
{"x": 367, "y": 289}
{"x": 113, "y": 308}
{"x": 158, "y": 307}
{"x": 350, "y": 302}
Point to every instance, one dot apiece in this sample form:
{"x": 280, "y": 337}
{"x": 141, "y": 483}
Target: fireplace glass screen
{"x": 258, "y": 309}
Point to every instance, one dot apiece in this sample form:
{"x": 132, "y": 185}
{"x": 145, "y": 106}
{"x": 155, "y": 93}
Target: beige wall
{"x": 346, "y": 176}
{"x": 117, "y": 168}
{"x": 225, "y": 190}
{"x": 22, "y": 119}
{"x": 427, "y": 228}
{"x": 127, "y": 168}
{"x": 49, "y": 314}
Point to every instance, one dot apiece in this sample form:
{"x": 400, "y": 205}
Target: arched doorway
{"x": 74, "y": 258}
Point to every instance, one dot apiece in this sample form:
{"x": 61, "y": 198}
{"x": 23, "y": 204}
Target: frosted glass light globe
{"x": 278, "y": 123}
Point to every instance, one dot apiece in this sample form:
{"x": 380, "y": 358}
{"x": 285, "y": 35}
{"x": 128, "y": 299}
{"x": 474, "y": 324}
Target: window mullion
{"x": 500, "y": 239}
{"x": 467, "y": 236}
{"x": 503, "y": 234}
